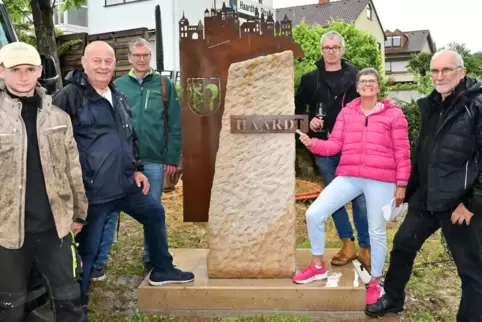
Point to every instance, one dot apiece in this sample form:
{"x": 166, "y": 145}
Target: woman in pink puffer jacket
{"x": 373, "y": 140}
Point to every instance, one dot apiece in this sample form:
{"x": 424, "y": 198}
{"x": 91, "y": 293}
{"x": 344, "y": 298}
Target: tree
{"x": 419, "y": 66}
{"x": 361, "y": 47}
{"x": 39, "y": 13}
{"x": 472, "y": 61}
{"x": 420, "y": 63}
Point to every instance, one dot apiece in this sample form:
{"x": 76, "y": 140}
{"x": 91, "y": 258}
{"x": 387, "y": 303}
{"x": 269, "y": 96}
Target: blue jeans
{"x": 142, "y": 208}
{"x": 155, "y": 174}
{"x": 108, "y": 233}
{"x": 327, "y": 166}
{"x": 338, "y": 193}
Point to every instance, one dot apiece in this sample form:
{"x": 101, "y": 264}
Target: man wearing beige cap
{"x": 42, "y": 195}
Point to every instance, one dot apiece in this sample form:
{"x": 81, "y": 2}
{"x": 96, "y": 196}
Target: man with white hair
{"x": 445, "y": 187}
{"x": 112, "y": 169}
{"x": 330, "y": 86}
{"x": 156, "y": 118}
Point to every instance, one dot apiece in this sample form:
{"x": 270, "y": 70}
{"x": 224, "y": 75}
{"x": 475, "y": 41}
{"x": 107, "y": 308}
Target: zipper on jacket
{"x": 22, "y": 179}
{"x": 147, "y": 99}
{"x": 466, "y": 174}
{"x": 363, "y": 141}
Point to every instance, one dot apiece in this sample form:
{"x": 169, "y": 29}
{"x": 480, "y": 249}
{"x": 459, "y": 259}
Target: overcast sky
{"x": 447, "y": 20}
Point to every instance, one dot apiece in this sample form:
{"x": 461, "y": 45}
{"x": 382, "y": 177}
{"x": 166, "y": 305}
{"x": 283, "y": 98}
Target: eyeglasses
{"x": 368, "y": 82}
{"x": 446, "y": 71}
{"x": 334, "y": 49}
{"x": 139, "y": 56}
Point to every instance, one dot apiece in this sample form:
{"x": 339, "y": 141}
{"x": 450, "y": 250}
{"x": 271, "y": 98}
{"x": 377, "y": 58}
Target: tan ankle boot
{"x": 346, "y": 254}
{"x": 364, "y": 258}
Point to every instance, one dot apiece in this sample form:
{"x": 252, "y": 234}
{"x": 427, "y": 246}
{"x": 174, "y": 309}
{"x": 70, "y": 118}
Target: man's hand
{"x": 141, "y": 179}
{"x": 305, "y": 139}
{"x": 76, "y": 228}
{"x": 316, "y": 124}
{"x": 399, "y": 195}
{"x": 170, "y": 169}
{"x": 461, "y": 215}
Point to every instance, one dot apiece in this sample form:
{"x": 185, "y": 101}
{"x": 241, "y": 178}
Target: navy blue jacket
{"x": 107, "y": 143}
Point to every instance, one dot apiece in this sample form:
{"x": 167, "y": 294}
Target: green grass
{"x": 433, "y": 292}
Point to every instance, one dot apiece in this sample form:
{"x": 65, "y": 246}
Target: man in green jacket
{"x": 158, "y": 128}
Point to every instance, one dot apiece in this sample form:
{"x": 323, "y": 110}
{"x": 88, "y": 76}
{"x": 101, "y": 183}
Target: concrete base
{"x": 205, "y": 297}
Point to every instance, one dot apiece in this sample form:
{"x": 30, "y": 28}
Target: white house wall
{"x": 141, "y": 14}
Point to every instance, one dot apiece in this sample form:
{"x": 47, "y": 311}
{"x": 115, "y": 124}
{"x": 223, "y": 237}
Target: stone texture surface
{"x": 252, "y": 211}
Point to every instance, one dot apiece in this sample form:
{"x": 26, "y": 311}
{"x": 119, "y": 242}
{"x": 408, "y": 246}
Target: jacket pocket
{"x": 11, "y": 198}
{"x": 55, "y": 139}
{"x": 7, "y": 153}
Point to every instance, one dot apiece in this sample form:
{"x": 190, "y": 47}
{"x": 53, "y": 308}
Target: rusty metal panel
{"x": 206, "y": 52}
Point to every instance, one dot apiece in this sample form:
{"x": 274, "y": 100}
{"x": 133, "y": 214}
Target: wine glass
{"x": 320, "y": 114}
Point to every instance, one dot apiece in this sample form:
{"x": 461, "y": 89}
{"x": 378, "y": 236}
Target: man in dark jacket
{"x": 445, "y": 187}
{"x": 331, "y": 86}
{"x": 111, "y": 166}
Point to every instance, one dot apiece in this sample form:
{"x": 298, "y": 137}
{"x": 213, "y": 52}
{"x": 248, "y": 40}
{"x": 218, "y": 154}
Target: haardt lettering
{"x": 241, "y": 124}
{"x": 291, "y": 124}
{"x": 277, "y": 125}
{"x": 268, "y": 123}
{"x": 253, "y": 125}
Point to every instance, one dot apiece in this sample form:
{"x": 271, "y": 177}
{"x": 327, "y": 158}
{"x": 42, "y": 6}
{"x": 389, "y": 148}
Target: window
{"x": 116, "y": 2}
{"x": 388, "y": 42}
{"x": 369, "y": 11}
{"x": 78, "y": 17}
{"x": 58, "y": 17}
{"x": 4, "y": 39}
{"x": 396, "y": 66}
{"x": 396, "y": 41}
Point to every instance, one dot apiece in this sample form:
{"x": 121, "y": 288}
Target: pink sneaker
{"x": 310, "y": 274}
{"x": 374, "y": 292}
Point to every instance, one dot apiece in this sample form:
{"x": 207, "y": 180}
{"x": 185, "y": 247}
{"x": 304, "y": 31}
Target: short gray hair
{"x": 368, "y": 71}
{"x": 458, "y": 58}
{"x": 332, "y": 35}
{"x": 137, "y": 42}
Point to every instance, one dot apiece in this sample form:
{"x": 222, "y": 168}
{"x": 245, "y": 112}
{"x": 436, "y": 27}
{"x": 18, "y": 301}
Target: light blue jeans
{"x": 110, "y": 225}
{"x": 155, "y": 174}
{"x": 339, "y": 192}
{"x": 327, "y": 166}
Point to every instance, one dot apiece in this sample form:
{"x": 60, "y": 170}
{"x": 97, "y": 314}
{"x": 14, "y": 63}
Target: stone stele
{"x": 252, "y": 209}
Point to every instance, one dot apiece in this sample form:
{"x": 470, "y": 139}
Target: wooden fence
{"x": 119, "y": 40}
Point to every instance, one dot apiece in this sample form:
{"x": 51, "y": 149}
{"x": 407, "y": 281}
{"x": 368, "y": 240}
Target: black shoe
{"x": 170, "y": 277}
{"x": 98, "y": 274}
{"x": 86, "y": 313}
{"x": 382, "y": 307}
{"x": 147, "y": 268}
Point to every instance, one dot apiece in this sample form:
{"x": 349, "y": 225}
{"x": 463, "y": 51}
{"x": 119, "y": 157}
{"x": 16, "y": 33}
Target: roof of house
{"x": 414, "y": 44}
{"x": 320, "y": 14}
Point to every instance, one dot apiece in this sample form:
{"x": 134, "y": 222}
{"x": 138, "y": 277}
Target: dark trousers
{"x": 465, "y": 244}
{"x": 142, "y": 208}
{"x": 56, "y": 261}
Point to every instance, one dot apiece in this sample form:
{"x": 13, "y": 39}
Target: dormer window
{"x": 369, "y": 11}
{"x": 396, "y": 41}
{"x": 393, "y": 41}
